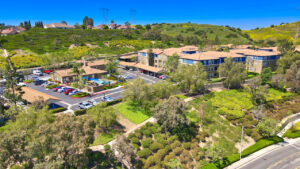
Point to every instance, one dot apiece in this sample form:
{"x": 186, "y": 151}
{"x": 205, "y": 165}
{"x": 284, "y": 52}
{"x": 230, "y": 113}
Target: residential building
{"x": 257, "y": 60}
{"x": 58, "y": 26}
{"x": 12, "y": 31}
{"x": 101, "y": 26}
{"x": 113, "y": 26}
{"x": 92, "y": 69}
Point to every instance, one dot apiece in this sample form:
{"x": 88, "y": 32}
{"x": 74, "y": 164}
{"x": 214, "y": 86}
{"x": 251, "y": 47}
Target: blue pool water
{"x": 105, "y": 82}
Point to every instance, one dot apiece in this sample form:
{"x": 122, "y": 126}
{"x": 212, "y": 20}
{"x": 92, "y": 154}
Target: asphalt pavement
{"x": 287, "y": 156}
{"x": 72, "y": 103}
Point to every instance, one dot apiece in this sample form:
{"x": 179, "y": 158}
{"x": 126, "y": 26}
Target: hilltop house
{"x": 12, "y": 31}
{"x": 58, "y": 26}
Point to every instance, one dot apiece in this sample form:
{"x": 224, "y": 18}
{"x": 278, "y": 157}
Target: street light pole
{"x": 241, "y": 142}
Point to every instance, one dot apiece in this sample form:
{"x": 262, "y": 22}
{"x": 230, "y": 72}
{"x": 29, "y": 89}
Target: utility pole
{"x": 241, "y": 142}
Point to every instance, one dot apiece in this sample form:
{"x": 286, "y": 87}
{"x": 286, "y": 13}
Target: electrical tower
{"x": 132, "y": 14}
{"x": 105, "y": 14}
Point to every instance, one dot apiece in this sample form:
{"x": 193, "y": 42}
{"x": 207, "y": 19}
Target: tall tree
{"x": 124, "y": 152}
{"x": 268, "y": 127}
{"x": 286, "y": 61}
{"x": 234, "y": 73}
{"x": 190, "y": 78}
{"x": 112, "y": 64}
{"x": 13, "y": 92}
{"x": 64, "y": 22}
{"x": 293, "y": 76}
{"x": 78, "y": 80}
{"x": 257, "y": 92}
{"x": 266, "y": 75}
{"x": 138, "y": 91}
{"x": 39, "y": 24}
{"x": 172, "y": 63}
{"x": 285, "y": 46}
{"x": 170, "y": 113}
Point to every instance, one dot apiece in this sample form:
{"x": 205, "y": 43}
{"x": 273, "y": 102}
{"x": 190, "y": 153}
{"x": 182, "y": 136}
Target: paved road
{"x": 286, "y": 157}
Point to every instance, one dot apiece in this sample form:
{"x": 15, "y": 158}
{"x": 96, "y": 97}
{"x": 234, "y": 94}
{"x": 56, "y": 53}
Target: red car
{"x": 48, "y": 71}
{"x": 56, "y": 88}
{"x": 68, "y": 91}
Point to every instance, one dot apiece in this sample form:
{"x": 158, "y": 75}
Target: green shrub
{"x": 291, "y": 134}
{"x": 175, "y": 144}
{"x": 210, "y": 166}
{"x": 145, "y": 153}
{"x": 135, "y": 140}
{"x": 147, "y": 142}
{"x": 80, "y": 112}
{"x": 107, "y": 147}
{"x": 147, "y": 133}
{"x": 114, "y": 102}
{"x": 28, "y": 81}
{"x": 79, "y": 95}
{"x": 135, "y": 146}
{"x": 186, "y": 146}
{"x": 57, "y": 110}
{"x": 52, "y": 86}
{"x": 177, "y": 150}
{"x": 155, "y": 146}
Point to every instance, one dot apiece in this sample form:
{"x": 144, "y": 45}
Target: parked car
{"x": 164, "y": 77}
{"x": 67, "y": 91}
{"x": 37, "y": 72}
{"x": 62, "y": 89}
{"x": 47, "y": 84}
{"x": 56, "y": 88}
{"x": 47, "y": 71}
{"x": 39, "y": 82}
{"x": 93, "y": 102}
{"x": 106, "y": 99}
{"x": 22, "y": 84}
{"x": 73, "y": 92}
{"x": 34, "y": 78}
{"x": 85, "y": 105}
{"x": 126, "y": 77}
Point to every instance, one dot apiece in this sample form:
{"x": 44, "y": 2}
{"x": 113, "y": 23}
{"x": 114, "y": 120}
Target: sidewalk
{"x": 269, "y": 149}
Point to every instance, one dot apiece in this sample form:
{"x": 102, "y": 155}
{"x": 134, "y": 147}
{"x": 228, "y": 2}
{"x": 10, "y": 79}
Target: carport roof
{"x": 148, "y": 68}
{"x": 127, "y": 63}
{"x": 32, "y": 95}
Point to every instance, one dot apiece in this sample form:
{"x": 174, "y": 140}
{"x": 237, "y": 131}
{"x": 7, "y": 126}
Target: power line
{"x": 132, "y": 14}
{"x": 105, "y": 12}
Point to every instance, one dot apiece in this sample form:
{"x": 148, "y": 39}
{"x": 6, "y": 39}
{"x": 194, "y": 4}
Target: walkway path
{"x": 101, "y": 147}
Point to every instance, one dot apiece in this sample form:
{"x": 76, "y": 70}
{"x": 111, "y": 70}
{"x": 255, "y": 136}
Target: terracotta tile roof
{"x": 242, "y": 46}
{"x": 58, "y": 25}
{"x": 148, "y": 68}
{"x": 129, "y": 56}
{"x": 155, "y": 51}
{"x": 96, "y": 62}
{"x": 253, "y": 52}
{"x": 10, "y": 30}
{"x": 127, "y": 63}
{"x": 32, "y": 95}
{"x": 209, "y": 55}
{"x": 88, "y": 71}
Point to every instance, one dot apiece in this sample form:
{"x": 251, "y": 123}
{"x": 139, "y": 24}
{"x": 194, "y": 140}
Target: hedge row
{"x": 57, "y": 110}
{"x": 262, "y": 143}
{"x": 83, "y": 111}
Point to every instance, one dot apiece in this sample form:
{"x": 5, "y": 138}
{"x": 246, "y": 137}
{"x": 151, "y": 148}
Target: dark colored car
{"x": 47, "y": 71}
{"x": 39, "y": 82}
{"x": 68, "y": 91}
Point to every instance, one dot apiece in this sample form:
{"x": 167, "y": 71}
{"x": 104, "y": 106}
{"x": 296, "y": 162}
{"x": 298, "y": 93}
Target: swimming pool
{"x": 99, "y": 81}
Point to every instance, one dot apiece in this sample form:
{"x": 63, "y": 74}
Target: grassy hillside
{"x": 225, "y": 35}
{"x": 42, "y": 41}
{"x": 287, "y": 31}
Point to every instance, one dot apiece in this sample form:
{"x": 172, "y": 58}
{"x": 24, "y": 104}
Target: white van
{"x": 37, "y": 72}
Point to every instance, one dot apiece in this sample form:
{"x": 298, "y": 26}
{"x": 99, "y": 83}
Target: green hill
{"x": 42, "y": 41}
{"x": 287, "y": 31}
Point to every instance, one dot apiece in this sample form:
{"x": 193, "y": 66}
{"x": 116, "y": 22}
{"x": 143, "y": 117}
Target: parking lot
{"x": 72, "y": 103}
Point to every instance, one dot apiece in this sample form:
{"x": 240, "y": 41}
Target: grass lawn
{"x": 293, "y": 133}
{"x": 274, "y": 94}
{"x": 104, "y": 138}
{"x": 133, "y": 112}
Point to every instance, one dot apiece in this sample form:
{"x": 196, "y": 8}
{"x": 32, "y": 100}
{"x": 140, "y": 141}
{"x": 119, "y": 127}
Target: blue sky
{"x": 238, "y": 13}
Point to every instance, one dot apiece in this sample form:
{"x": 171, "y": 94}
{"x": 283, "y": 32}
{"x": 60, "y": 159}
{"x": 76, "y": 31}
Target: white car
{"x": 85, "y": 105}
{"x": 37, "y": 72}
{"x": 62, "y": 89}
{"x": 47, "y": 84}
{"x": 22, "y": 84}
{"x": 93, "y": 102}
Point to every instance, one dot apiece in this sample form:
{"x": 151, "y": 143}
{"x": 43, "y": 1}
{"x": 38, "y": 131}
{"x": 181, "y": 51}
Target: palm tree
{"x": 112, "y": 64}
